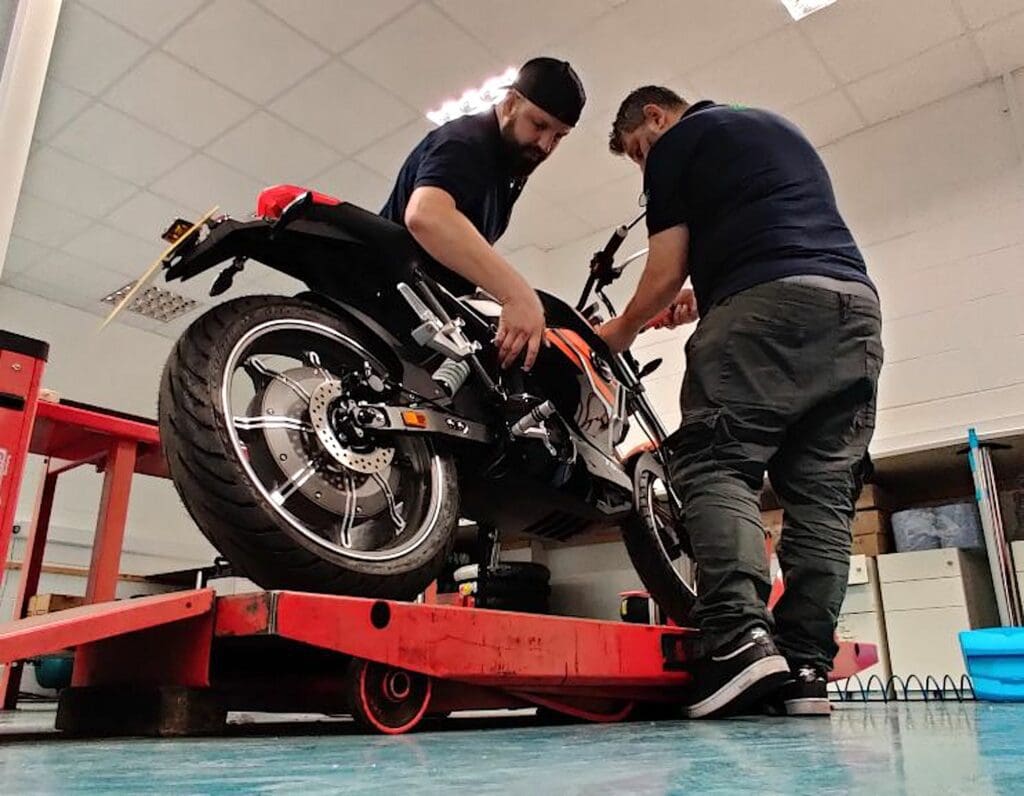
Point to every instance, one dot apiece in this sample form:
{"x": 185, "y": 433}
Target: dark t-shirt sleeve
{"x": 667, "y": 187}
{"x": 454, "y": 166}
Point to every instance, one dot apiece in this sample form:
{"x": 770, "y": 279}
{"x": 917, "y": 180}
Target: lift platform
{"x": 175, "y": 664}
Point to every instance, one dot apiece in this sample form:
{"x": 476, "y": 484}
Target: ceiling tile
{"x": 424, "y": 58}
{"x": 387, "y": 155}
{"x": 272, "y": 151}
{"x": 581, "y": 163}
{"x": 89, "y": 52}
{"x": 46, "y": 223}
{"x": 59, "y": 104}
{"x": 981, "y": 12}
{"x": 777, "y": 72}
{"x": 857, "y": 38}
{"x": 147, "y": 215}
{"x": 827, "y": 118}
{"x": 1002, "y": 44}
{"x": 203, "y": 182}
{"x": 21, "y": 255}
{"x": 355, "y": 183}
{"x": 119, "y": 144}
{"x": 539, "y": 222}
{"x": 260, "y": 64}
{"x": 62, "y": 292}
{"x": 72, "y": 280}
{"x": 54, "y": 176}
{"x": 333, "y": 28}
{"x": 519, "y": 30}
{"x": 610, "y": 205}
{"x": 159, "y": 89}
{"x": 937, "y": 73}
{"x": 115, "y": 251}
{"x": 151, "y": 19}
{"x": 606, "y": 55}
{"x": 688, "y": 35}
{"x": 332, "y": 104}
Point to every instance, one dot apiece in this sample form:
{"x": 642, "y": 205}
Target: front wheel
{"x": 255, "y": 420}
{"x": 656, "y": 543}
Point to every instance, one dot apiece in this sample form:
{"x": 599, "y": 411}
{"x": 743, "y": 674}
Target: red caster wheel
{"x": 386, "y": 699}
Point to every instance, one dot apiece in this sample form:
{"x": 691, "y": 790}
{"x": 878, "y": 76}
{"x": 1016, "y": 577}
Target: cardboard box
{"x": 40, "y": 604}
{"x": 873, "y": 497}
{"x": 870, "y": 521}
{"x": 772, "y": 522}
{"x": 871, "y": 544}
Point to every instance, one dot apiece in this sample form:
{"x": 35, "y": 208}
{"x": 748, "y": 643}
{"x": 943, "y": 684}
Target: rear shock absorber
{"x": 451, "y": 375}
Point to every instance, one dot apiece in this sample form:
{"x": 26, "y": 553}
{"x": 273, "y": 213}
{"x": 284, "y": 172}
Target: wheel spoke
{"x": 389, "y": 496}
{"x": 313, "y": 359}
{"x": 271, "y": 421}
{"x": 349, "y": 517}
{"x": 261, "y": 367}
{"x": 293, "y": 484}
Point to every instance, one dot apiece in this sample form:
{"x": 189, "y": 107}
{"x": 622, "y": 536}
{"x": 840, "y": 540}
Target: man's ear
{"x": 654, "y": 113}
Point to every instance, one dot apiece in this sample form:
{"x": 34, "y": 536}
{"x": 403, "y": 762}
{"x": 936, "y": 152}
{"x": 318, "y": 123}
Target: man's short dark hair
{"x": 631, "y": 112}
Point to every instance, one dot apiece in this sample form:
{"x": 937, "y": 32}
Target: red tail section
{"x": 273, "y": 200}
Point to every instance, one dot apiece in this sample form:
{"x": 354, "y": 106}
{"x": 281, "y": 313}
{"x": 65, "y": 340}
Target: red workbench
{"x": 68, "y": 435}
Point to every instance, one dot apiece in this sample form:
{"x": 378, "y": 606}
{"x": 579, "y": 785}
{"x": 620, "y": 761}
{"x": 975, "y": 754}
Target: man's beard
{"x": 521, "y": 159}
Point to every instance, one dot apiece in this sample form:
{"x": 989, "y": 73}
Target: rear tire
{"x": 657, "y": 551}
{"x": 234, "y": 513}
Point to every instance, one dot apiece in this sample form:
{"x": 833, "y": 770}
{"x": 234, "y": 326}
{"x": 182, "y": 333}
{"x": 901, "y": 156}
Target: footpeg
{"x": 445, "y": 338}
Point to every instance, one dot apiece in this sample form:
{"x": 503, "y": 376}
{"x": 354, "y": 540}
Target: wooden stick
{"x": 155, "y": 267}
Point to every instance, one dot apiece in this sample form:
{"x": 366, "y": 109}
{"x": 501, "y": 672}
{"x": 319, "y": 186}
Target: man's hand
{"x": 618, "y": 334}
{"x": 521, "y": 326}
{"x": 681, "y": 311}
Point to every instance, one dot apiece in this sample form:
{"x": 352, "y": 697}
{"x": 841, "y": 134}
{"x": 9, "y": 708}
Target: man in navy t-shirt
{"x": 456, "y": 190}
{"x": 781, "y": 377}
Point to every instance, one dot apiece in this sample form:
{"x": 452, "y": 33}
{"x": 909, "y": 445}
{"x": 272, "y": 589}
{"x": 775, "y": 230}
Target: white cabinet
{"x": 929, "y": 596}
{"x": 861, "y": 619}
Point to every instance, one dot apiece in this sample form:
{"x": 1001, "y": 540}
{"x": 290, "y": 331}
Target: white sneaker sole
{"x": 762, "y": 675}
{"x": 810, "y": 706}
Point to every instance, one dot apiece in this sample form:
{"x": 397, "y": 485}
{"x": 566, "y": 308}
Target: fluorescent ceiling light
{"x": 475, "y": 99}
{"x": 798, "y": 9}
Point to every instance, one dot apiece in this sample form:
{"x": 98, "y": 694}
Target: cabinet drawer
{"x": 931, "y": 593}
{"x": 919, "y": 565}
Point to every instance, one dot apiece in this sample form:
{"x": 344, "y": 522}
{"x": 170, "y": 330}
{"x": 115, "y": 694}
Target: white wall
{"x": 118, "y": 368}
{"x": 936, "y": 200}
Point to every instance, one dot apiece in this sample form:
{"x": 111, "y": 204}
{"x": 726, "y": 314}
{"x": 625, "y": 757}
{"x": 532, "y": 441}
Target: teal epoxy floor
{"x": 911, "y": 748}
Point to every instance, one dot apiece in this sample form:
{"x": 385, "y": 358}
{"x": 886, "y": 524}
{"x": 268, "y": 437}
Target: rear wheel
{"x": 256, "y": 408}
{"x": 656, "y": 542}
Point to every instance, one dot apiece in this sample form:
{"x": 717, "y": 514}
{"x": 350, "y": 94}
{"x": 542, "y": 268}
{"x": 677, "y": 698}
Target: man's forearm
{"x": 664, "y": 274}
{"x": 451, "y": 239}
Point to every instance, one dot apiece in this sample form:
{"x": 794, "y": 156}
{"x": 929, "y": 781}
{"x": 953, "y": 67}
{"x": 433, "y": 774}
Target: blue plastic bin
{"x": 995, "y": 661}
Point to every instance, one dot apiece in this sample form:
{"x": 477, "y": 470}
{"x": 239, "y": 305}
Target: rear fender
{"x": 382, "y": 344}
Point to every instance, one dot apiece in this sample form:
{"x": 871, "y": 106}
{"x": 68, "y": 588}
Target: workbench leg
{"x": 106, "y": 550}
{"x": 31, "y": 568}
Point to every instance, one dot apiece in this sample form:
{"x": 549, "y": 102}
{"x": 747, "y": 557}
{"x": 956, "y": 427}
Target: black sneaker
{"x": 736, "y": 676}
{"x": 806, "y": 694}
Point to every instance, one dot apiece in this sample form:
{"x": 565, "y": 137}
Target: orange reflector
{"x": 414, "y": 419}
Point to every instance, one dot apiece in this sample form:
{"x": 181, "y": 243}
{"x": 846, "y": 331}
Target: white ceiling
{"x": 158, "y": 108}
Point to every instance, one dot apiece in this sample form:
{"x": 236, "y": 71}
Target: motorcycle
{"x": 332, "y": 441}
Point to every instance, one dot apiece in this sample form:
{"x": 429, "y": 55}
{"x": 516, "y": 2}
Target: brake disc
{"x": 366, "y": 461}
{"x": 293, "y": 449}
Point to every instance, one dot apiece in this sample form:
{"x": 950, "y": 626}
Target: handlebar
{"x": 602, "y": 264}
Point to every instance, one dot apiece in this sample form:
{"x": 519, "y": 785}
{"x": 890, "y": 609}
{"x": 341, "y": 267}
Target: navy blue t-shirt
{"x": 756, "y": 198}
{"x": 466, "y": 158}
